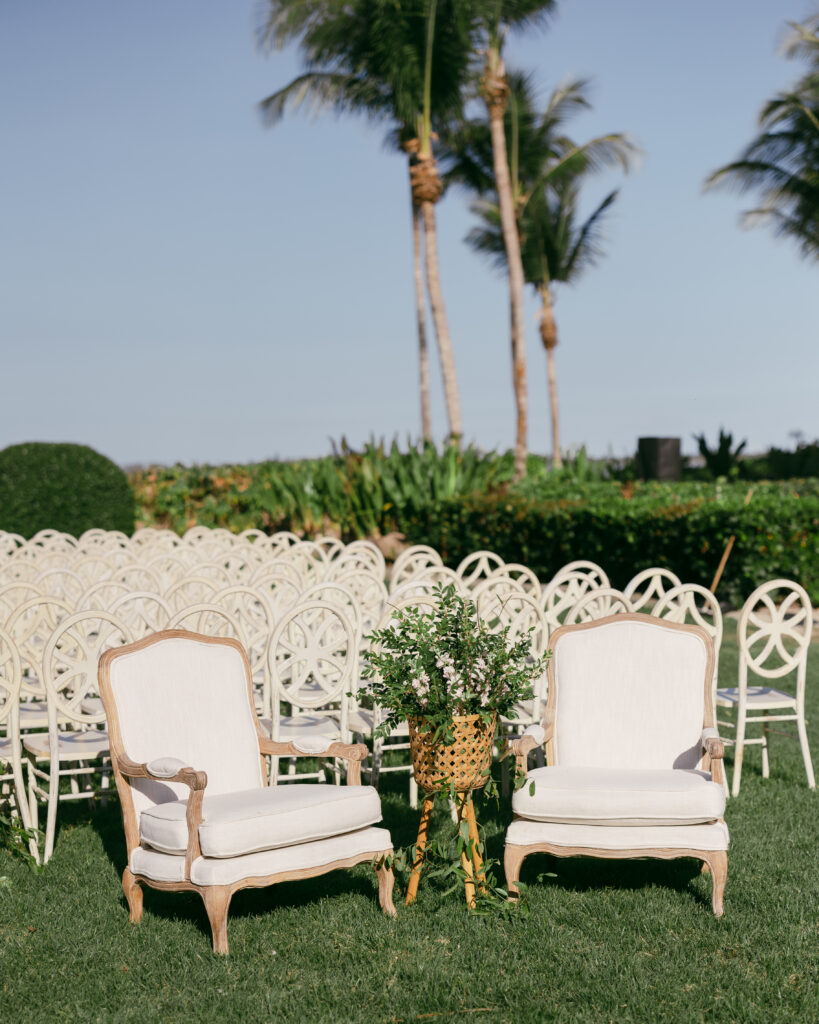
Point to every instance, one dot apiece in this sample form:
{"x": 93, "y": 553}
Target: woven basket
{"x": 462, "y": 763}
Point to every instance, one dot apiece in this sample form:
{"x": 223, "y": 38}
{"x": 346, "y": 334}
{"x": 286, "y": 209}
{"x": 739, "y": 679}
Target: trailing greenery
{"x": 684, "y": 527}
{"x": 67, "y": 487}
{"x": 604, "y": 940}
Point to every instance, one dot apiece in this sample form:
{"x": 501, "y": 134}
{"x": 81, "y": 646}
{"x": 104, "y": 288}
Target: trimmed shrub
{"x": 67, "y": 487}
{"x": 777, "y": 534}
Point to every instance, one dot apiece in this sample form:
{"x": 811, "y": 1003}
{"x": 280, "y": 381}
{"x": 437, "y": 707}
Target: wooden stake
{"x": 728, "y": 549}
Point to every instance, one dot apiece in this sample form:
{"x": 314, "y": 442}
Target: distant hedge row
{"x": 777, "y": 534}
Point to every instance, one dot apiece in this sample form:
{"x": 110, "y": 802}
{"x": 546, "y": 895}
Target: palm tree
{"x": 547, "y": 170}
{"x": 495, "y": 19}
{"x": 403, "y": 65}
{"x": 782, "y": 162}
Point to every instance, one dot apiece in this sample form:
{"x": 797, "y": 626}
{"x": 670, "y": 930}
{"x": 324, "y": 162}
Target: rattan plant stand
{"x": 463, "y": 766}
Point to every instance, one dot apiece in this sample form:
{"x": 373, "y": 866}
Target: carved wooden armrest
{"x": 535, "y": 736}
{"x": 171, "y": 769}
{"x": 352, "y": 753}
{"x": 712, "y": 744}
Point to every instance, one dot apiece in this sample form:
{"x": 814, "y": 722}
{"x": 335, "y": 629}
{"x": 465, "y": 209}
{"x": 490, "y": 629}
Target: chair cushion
{"x": 262, "y": 819}
{"x": 713, "y": 836}
{"x": 306, "y": 857}
{"x": 621, "y": 796}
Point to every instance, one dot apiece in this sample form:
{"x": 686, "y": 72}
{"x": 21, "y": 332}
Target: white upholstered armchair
{"x": 188, "y": 757}
{"x": 634, "y": 762}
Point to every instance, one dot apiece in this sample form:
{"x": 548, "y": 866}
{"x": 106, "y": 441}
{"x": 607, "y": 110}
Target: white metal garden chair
{"x": 12, "y": 785}
{"x": 313, "y": 664}
{"x": 774, "y": 634}
{"x": 413, "y": 561}
{"x": 646, "y": 588}
{"x": 79, "y": 751}
{"x": 598, "y": 604}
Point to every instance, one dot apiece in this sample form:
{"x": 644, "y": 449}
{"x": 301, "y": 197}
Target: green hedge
{"x": 66, "y": 487}
{"x": 684, "y": 527}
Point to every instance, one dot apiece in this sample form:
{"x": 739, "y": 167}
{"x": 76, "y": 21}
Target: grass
{"x": 604, "y": 941}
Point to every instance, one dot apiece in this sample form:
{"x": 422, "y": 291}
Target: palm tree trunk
{"x": 436, "y": 305}
{"x": 548, "y": 334}
{"x": 420, "y": 312}
{"x": 495, "y": 91}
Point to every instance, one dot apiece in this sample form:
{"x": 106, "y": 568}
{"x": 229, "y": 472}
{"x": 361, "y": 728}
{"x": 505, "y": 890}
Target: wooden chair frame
{"x": 714, "y": 861}
{"x": 217, "y": 897}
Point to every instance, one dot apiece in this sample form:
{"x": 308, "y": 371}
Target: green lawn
{"x": 604, "y": 941}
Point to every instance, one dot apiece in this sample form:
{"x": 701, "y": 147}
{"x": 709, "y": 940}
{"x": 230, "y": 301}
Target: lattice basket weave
{"x": 462, "y": 763}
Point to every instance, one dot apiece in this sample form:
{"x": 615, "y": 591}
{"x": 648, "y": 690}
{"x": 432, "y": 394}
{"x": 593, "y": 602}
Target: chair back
{"x": 774, "y": 633}
{"x": 179, "y": 694}
{"x": 629, "y": 691}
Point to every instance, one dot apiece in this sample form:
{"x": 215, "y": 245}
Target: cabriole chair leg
{"x": 217, "y": 902}
{"x": 133, "y": 894}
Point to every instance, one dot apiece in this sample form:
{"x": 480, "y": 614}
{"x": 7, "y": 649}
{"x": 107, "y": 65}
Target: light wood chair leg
{"x": 513, "y": 858}
{"x": 133, "y": 894}
{"x": 420, "y": 846}
{"x": 217, "y": 901}
{"x": 717, "y": 864}
{"x": 386, "y": 880}
{"x": 803, "y": 743}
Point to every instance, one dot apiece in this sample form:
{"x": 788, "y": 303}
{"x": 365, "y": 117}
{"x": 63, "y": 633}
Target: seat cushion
{"x": 306, "y": 857}
{"x": 574, "y": 838}
{"x": 73, "y": 746}
{"x": 234, "y": 824}
{"x": 621, "y": 796}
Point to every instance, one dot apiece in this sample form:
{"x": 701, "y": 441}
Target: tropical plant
{"x": 723, "y": 460}
{"x": 782, "y": 162}
{"x": 548, "y": 170}
{"x": 400, "y": 64}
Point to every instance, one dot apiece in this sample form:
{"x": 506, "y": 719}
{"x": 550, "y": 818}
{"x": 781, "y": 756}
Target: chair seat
{"x": 292, "y": 727}
{"x": 758, "y": 697}
{"x": 92, "y": 706}
{"x": 362, "y": 722}
{"x": 33, "y": 715}
{"x": 234, "y": 824}
{"x": 163, "y": 867}
{"x": 73, "y": 746}
{"x": 575, "y": 838}
{"x": 619, "y": 796}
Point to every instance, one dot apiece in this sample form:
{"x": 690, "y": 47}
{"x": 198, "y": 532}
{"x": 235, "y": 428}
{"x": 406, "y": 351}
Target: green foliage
{"x": 356, "y": 493}
{"x": 67, "y": 487}
{"x": 434, "y": 665}
{"x": 682, "y": 526}
{"x": 724, "y": 459}
{"x": 780, "y": 163}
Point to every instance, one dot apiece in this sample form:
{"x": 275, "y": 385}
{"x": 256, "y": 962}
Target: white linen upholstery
{"x": 624, "y": 796}
{"x": 166, "y": 767}
{"x": 203, "y": 685}
{"x": 164, "y": 867}
{"x": 625, "y": 697}
{"x": 713, "y": 836}
{"x": 235, "y": 824}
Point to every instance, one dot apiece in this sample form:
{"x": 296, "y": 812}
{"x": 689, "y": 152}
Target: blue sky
{"x": 178, "y": 283}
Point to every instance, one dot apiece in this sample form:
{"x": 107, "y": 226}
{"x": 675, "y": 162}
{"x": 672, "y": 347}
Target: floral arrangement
{"x": 435, "y": 664}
